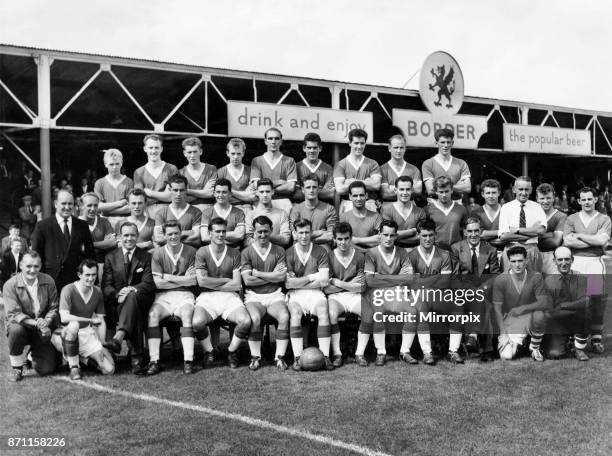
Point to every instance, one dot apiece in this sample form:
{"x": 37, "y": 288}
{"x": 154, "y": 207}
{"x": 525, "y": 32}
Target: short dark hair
{"x": 586, "y": 190}
{"x": 262, "y": 220}
{"x": 490, "y": 183}
{"x": 516, "y": 250}
{"x": 312, "y": 137}
{"x": 388, "y": 223}
{"x": 356, "y": 184}
{"x": 223, "y": 182}
{"x": 301, "y": 223}
{"x": 357, "y": 133}
{"x": 178, "y": 179}
{"x": 444, "y": 132}
{"x": 217, "y": 221}
{"x": 427, "y": 224}
{"x": 171, "y": 224}
{"x": 312, "y": 177}
{"x": 87, "y": 263}
{"x": 341, "y": 228}
{"x": 404, "y": 179}
{"x": 265, "y": 182}
{"x": 137, "y": 192}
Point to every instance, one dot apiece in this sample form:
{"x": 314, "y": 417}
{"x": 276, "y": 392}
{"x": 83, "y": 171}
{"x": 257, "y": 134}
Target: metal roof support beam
{"x": 375, "y": 95}
{"x": 205, "y": 104}
{"x": 77, "y": 95}
{"x": 22, "y": 105}
{"x": 214, "y": 86}
{"x": 21, "y": 151}
{"x": 180, "y": 103}
{"x": 302, "y": 96}
{"x": 158, "y": 128}
{"x": 604, "y": 134}
{"x": 43, "y": 64}
{"x": 365, "y": 103}
{"x": 285, "y": 95}
{"x": 127, "y": 130}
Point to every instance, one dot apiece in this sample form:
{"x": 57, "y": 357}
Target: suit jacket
{"x": 59, "y": 259}
{"x": 79, "y": 189}
{"x": 18, "y": 304}
{"x": 461, "y": 254}
{"x": 8, "y": 266}
{"x": 114, "y": 277}
{"x": 28, "y": 220}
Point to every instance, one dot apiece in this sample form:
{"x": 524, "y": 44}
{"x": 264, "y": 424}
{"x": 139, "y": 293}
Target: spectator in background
{"x": 9, "y": 264}
{"x": 573, "y": 205}
{"x": 472, "y": 205}
{"x": 28, "y": 181}
{"x": 28, "y": 215}
{"x": 84, "y": 187}
{"x": 14, "y": 233}
{"x": 602, "y": 205}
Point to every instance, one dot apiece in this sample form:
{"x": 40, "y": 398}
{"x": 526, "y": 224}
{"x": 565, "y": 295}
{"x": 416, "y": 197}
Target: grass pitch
{"x": 503, "y": 408}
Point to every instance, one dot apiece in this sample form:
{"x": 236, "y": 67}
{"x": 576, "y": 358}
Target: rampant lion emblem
{"x": 445, "y": 83}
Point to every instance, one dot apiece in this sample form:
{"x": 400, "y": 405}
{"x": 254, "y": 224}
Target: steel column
{"x": 44, "y": 121}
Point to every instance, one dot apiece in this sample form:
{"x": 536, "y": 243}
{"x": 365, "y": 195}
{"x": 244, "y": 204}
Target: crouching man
{"x": 30, "y": 308}
{"x": 82, "y": 313}
{"x": 519, "y": 304}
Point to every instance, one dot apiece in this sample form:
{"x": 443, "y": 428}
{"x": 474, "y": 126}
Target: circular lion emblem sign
{"x": 441, "y": 84}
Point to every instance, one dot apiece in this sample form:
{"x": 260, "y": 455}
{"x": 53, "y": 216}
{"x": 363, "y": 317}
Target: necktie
{"x": 522, "y": 218}
{"x": 127, "y": 264}
{"x": 566, "y": 294}
{"x": 474, "y": 261}
{"x": 66, "y": 231}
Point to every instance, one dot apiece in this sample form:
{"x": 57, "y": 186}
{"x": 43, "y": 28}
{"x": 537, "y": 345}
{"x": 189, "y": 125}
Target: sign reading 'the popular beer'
{"x": 531, "y": 138}
{"x": 441, "y": 89}
{"x": 250, "y": 120}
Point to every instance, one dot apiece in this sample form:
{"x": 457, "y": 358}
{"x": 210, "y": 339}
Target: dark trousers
{"x": 44, "y": 355}
{"x": 132, "y": 318}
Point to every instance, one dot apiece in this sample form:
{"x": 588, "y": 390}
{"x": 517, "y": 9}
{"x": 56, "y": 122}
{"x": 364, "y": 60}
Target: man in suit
{"x": 62, "y": 241}
{"x": 9, "y": 266}
{"x": 31, "y": 312}
{"x": 474, "y": 261}
{"x": 128, "y": 287}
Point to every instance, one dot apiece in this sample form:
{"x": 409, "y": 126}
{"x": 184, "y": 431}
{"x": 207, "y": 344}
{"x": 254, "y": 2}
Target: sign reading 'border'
{"x": 528, "y": 138}
{"x": 419, "y": 128}
{"x": 250, "y": 120}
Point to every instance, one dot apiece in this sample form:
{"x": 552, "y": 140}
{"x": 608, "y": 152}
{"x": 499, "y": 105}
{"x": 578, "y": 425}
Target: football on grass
{"x": 312, "y": 359}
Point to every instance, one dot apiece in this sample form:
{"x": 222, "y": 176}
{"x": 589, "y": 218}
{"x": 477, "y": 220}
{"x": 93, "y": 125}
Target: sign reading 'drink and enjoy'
{"x": 441, "y": 90}
{"x": 528, "y": 138}
{"x": 252, "y": 119}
